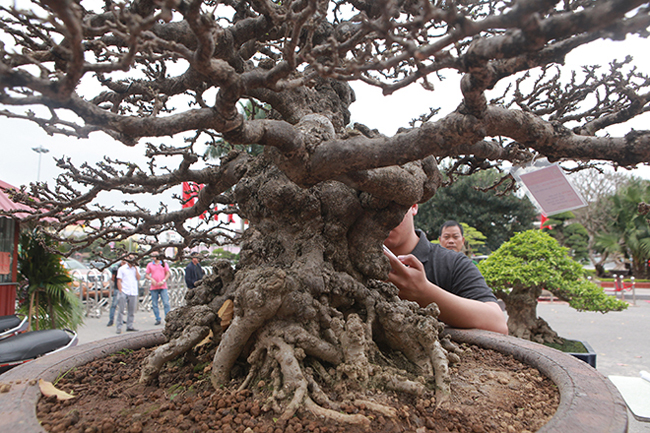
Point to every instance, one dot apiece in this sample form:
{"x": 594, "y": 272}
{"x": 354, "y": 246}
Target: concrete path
{"x": 96, "y": 329}
{"x": 620, "y": 339}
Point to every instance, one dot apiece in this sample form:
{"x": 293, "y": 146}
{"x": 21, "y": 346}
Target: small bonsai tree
{"x": 46, "y": 295}
{"x": 530, "y": 262}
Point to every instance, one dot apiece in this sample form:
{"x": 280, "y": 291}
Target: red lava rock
{"x": 172, "y": 407}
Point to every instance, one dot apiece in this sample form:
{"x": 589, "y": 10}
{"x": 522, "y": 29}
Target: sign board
{"x": 552, "y": 190}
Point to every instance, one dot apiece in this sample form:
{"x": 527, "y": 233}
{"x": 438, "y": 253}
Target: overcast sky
{"x": 19, "y": 164}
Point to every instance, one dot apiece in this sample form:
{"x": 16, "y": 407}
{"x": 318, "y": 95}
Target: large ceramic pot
{"x": 589, "y": 402}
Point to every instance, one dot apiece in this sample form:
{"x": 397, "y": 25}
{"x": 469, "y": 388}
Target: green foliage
{"x": 587, "y": 296}
{"x": 46, "y": 296}
{"x": 577, "y": 240}
{"x": 220, "y": 253}
{"x": 532, "y": 261}
{"x": 628, "y": 232}
{"x": 572, "y": 235}
{"x": 496, "y": 217}
{"x": 473, "y": 237}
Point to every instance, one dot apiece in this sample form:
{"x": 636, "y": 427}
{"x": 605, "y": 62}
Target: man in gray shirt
{"x": 426, "y": 273}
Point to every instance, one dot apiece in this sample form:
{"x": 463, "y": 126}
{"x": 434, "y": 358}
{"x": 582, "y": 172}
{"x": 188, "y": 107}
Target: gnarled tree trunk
{"x": 521, "y": 306}
{"x": 309, "y": 291}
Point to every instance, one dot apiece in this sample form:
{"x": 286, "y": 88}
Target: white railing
{"x": 96, "y": 290}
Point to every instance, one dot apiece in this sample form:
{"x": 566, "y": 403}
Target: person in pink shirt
{"x": 158, "y": 273}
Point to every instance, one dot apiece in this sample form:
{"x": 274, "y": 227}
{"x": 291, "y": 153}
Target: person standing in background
{"x": 158, "y": 273}
{"x": 127, "y": 284}
{"x": 193, "y": 271}
{"x": 116, "y": 292}
{"x": 452, "y": 236}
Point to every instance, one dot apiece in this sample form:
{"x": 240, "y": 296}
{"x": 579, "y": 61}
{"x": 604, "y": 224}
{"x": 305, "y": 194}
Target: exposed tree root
{"x": 386, "y": 411}
{"x": 399, "y": 383}
{"x": 195, "y": 331}
{"x": 342, "y": 418}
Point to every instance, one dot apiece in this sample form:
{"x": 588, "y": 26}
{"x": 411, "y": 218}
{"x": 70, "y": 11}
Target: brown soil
{"x": 491, "y": 392}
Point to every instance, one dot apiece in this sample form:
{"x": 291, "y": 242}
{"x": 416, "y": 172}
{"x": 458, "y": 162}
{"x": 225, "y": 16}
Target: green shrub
{"x": 531, "y": 261}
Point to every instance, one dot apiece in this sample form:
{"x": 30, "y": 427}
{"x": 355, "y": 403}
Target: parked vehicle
{"x": 90, "y": 281}
{"x": 16, "y": 349}
{"x": 100, "y": 265}
{"x": 12, "y": 325}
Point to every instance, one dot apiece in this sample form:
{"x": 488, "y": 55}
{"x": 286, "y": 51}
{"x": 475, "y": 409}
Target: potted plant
{"x": 588, "y": 401}
{"x": 46, "y": 296}
{"x": 533, "y": 261}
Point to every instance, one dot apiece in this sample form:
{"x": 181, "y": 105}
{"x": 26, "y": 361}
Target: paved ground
{"x": 96, "y": 329}
{"x": 621, "y": 340}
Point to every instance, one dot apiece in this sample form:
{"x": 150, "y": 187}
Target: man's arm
{"x": 408, "y": 275}
{"x": 188, "y": 276}
{"x": 119, "y": 284}
{"x": 148, "y": 276}
{"x": 167, "y": 273}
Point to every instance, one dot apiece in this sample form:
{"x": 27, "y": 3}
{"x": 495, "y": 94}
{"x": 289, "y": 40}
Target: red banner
{"x": 190, "y": 192}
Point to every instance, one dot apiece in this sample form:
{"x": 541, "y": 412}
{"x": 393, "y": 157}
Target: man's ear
{"x": 414, "y": 209}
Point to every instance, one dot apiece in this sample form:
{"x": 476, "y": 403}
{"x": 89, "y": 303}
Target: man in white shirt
{"x": 127, "y": 284}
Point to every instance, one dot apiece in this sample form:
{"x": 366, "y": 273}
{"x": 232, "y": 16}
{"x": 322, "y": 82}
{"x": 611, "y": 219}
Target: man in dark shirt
{"x": 193, "y": 271}
{"x": 451, "y": 236}
{"x": 426, "y": 273}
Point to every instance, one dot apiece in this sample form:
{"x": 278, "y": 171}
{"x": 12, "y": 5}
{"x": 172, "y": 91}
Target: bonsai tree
{"x": 570, "y": 234}
{"x": 533, "y": 261}
{"x": 47, "y": 299}
{"x": 309, "y": 289}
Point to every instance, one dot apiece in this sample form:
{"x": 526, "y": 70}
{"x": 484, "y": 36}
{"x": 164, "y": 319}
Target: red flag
{"x": 543, "y": 221}
{"x": 189, "y": 194}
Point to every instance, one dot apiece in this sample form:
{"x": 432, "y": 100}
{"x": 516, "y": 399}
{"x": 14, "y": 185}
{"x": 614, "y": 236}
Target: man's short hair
{"x": 451, "y": 223}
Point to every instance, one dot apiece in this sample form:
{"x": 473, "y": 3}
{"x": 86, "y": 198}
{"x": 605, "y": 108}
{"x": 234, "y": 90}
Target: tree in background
{"x": 628, "y": 231}
{"x": 220, "y": 253}
{"x": 596, "y": 187}
{"x": 569, "y": 234}
{"x": 47, "y": 297}
{"x": 530, "y": 262}
{"x": 496, "y": 216}
{"x": 218, "y": 147}
{"x": 309, "y": 289}
{"x": 473, "y": 238}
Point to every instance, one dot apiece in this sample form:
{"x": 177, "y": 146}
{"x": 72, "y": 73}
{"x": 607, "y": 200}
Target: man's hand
{"x": 407, "y": 273}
